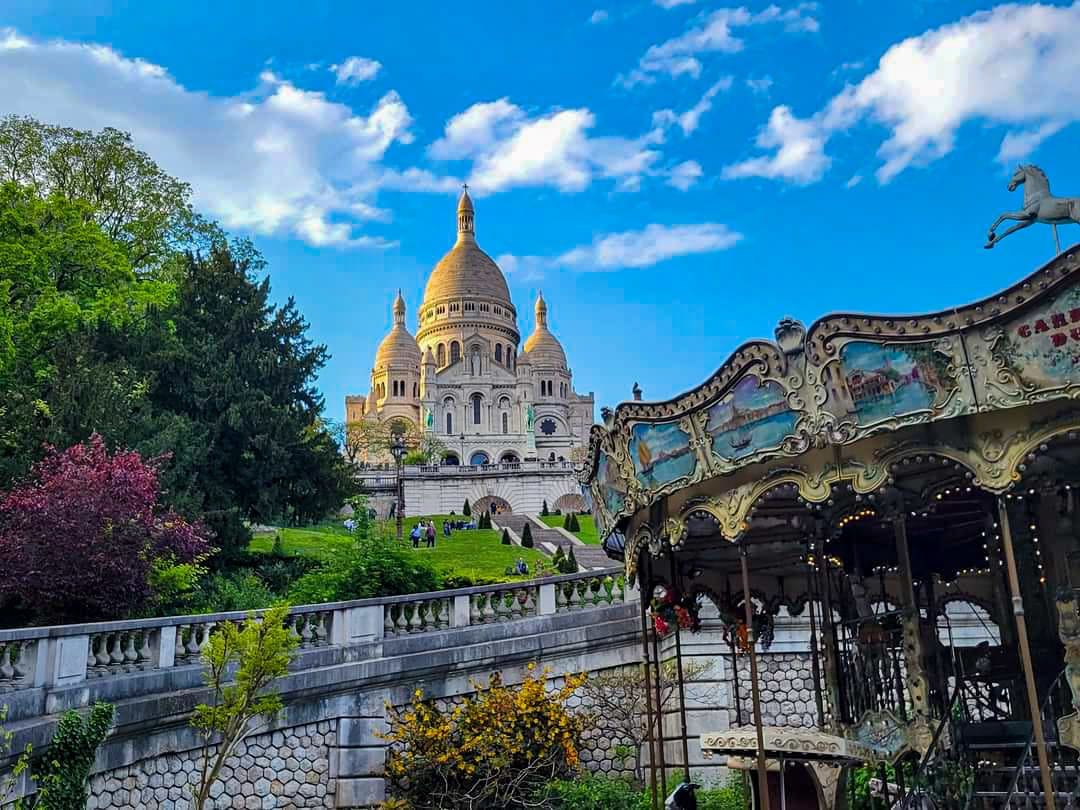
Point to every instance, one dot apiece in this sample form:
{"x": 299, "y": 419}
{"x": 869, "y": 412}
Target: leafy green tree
{"x": 237, "y": 381}
{"x": 242, "y": 663}
{"x": 62, "y": 779}
{"x": 71, "y": 299}
{"x": 137, "y": 205}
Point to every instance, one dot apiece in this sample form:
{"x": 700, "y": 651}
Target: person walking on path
{"x": 414, "y": 535}
{"x": 431, "y": 534}
{"x": 446, "y": 528}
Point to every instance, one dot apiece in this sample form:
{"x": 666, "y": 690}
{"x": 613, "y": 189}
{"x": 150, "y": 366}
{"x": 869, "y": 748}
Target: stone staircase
{"x": 548, "y": 539}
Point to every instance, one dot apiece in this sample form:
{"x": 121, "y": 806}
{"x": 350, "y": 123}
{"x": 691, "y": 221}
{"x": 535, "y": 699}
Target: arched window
{"x": 498, "y": 352}
{"x": 510, "y": 357}
{"x": 506, "y": 422}
{"x": 440, "y": 355}
{"x": 477, "y": 401}
{"x": 416, "y": 389}
{"x": 455, "y": 351}
{"x": 449, "y": 423}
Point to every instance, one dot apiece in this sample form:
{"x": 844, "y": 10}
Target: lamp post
{"x": 397, "y": 450}
{"x": 462, "y": 438}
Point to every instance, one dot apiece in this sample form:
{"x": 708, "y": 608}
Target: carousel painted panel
{"x": 662, "y": 453}
{"x": 875, "y": 383}
{"x": 1034, "y": 355}
{"x": 610, "y": 487}
{"x": 751, "y": 419}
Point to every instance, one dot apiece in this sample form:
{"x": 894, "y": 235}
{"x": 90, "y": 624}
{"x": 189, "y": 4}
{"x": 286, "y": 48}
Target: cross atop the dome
{"x": 464, "y": 186}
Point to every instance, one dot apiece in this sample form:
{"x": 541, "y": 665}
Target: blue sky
{"x": 675, "y": 175}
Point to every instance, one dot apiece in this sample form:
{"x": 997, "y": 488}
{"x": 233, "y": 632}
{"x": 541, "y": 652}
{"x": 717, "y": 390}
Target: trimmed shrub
{"x": 544, "y": 510}
{"x": 526, "y": 537}
{"x": 558, "y": 559}
{"x": 566, "y": 521}
{"x": 466, "y": 510}
{"x": 571, "y": 562}
{"x": 575, "y": 526}
{"x": 506, "y": 537}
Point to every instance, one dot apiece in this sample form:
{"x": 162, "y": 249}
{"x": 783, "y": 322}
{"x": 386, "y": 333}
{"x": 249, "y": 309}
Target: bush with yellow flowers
{"x": 494, "y": 751}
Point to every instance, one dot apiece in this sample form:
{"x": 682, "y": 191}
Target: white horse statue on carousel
{"x": 1039, "y": 205}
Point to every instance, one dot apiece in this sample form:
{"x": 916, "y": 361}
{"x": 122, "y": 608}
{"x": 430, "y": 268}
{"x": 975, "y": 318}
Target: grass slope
{"x": 588, "y": 532}
{"x": 476, "y": 554}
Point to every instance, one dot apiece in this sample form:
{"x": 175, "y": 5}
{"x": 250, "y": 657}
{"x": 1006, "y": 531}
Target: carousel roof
{"x": 928, "y": 412}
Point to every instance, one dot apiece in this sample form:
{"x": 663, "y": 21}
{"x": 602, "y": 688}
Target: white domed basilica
{"x": 463, "y": 379}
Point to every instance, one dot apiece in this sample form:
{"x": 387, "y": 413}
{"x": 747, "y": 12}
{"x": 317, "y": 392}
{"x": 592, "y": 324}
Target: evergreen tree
{"x": 526, "y": 537}
{"x": 236, "y": 379}
{"x": 566, "y": 521}
{"x": 466, "y": 510}
{"x": 571, "y": 562}
{"x": 506, "y": 537}
{"x": 544, "y": 510}
{"x": 558, "y": 559}
{"x": 574, "y": 525}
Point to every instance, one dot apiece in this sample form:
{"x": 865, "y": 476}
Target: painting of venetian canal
{"x": 660, "y": 453}
{"x": 753, "y": 416}
{"x": 881, "y": 381}
{"x": 612, "y": 495}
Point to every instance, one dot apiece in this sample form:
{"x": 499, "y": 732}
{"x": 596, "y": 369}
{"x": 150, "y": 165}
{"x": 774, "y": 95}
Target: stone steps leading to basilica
{"x": 544, "y": 536}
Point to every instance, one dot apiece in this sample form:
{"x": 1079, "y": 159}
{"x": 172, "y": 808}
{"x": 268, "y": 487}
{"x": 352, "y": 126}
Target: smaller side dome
{"x": 398, "y": 349}
{"x": 542, "y": 348}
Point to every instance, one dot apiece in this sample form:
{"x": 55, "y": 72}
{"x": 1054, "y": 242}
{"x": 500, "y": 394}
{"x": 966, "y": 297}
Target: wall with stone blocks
{"x": 281, "y": 770}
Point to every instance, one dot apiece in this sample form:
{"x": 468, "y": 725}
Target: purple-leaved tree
{"x": 79, "y": 537}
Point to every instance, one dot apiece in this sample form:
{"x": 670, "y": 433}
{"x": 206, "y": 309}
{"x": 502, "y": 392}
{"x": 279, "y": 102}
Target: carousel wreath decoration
{"x": 670, "y": 609}
{"x": 735, "y": 629}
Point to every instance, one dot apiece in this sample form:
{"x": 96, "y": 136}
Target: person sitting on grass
{"x": 522, "y": 568}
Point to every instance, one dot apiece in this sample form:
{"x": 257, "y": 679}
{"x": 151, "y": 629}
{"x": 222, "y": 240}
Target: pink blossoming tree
{"x": 79, "y": 538}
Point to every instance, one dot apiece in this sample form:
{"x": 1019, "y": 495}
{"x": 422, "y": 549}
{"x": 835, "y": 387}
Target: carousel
{"x": 868, "y": 473}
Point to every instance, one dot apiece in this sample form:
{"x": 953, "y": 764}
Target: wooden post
{"x": 658, "y": 677}
{"x": 748, "y": 605}
{"x": 648, "y": 697}
{"x": 679, "y": 675}
{"x": 1025, "y": 654}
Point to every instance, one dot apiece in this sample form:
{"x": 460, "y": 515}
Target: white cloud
{"x": 356, "y": 69}
{"x": 599, "y": 16}
{"x": 852, "y": 67}
{"x": 853, "y": 181}
{"x": 674, "y": 3}
{"x": 275, "y": 160}
{"x": 649, "y": 246}
{"x": 686, "y": 174}
{"x": 760, "y": 85}
{"x": 715, "y": 34}
{"x": 689, "y": 120}
{"x": 510, "y": 149}
{"x": 800, "y": 151}
{"x": 1013, "y": 66}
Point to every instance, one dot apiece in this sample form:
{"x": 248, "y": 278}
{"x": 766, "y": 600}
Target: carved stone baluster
{"x": 516, "y": 598}
{"x": 21, "y": 659}
{"x": 573, "y": 601}
{"x": 192, "y": 647}
{"x": 7, "y": 671}
{"x": 388, "y": 620}
{"x": 443, "y": 616}
{"x": 415, "y": 625}
{"x": 560, "y": 598}
{"x": 180, "y": 652}
{"x": 131, "y": 657}
{"x": 532, "y": 596}
{"x": 143, "y": 650}
{"x": 91, "y": 659}
{"x": 489, "y": 608}
{"x": 322, "y": 633}
{"x": 116, "y": 651}
{"x": 430, "y": 610}
{"x": 475, "y": 614}
{"x": 311, "y": 629}
{"x": 401, "y": 623}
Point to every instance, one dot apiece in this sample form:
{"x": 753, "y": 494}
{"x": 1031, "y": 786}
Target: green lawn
{"x": 588, "y": 527}
{"x": 477, "y": 554}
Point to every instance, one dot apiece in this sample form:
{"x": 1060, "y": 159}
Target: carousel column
{"x": 1025, "y": 653}
{"x": 651, "y": 719}
{"x": 917, "y": 684}
{"x": 748, "y": 605}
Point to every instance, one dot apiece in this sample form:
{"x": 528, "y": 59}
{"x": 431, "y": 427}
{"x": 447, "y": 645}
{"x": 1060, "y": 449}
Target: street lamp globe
{"x": 397, "y": 447}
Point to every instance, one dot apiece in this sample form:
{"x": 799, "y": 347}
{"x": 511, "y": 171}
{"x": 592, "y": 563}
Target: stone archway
{"x": 570, "y": 503}
{"x": 493, "y": 504}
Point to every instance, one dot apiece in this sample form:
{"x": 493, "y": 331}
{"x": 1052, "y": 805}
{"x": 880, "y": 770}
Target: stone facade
{"x": 279, "y": 770}
{"x": 463, "y": 378}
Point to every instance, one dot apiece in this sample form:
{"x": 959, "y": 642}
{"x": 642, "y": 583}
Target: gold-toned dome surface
{"x": 541, "y": 347}
{"x": 399, "y": 347}
{"x": 466, "y": 271}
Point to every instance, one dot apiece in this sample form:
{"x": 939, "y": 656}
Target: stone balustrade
{"x": 39, "y": 667}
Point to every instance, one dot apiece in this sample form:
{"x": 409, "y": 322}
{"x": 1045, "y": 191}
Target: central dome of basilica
{"x": 466, "y": 271}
